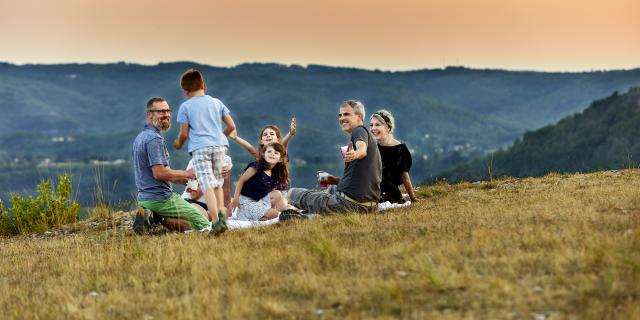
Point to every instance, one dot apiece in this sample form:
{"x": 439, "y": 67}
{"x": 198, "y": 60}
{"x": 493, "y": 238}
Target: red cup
{"x": 322, "y": 179}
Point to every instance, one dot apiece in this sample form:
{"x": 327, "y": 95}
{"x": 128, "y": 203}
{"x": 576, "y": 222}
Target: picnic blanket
{"x": 235, "y": 223}
{"x": 388, "y": 205}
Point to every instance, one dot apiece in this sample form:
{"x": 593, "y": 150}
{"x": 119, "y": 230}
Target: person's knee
{"x": 280, "y": 204}
{"x": 276, "y": 195}
{"x": 294, "y": 193}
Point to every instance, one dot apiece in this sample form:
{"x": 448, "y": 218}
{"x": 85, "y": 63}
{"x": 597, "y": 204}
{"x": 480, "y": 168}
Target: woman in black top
{"x": 396, "y": 159}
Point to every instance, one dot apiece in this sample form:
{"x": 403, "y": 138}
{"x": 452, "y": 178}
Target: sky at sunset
{"x": 549, "y": 35}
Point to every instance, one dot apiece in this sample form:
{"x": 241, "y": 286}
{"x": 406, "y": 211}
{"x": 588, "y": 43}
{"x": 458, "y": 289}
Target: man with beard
{"x": 359, "y": 188}
{"x": 153, "y": 174}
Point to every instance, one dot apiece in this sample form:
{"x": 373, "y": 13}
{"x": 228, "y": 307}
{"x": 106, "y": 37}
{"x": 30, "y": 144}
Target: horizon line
{"x": 320, "y": 65}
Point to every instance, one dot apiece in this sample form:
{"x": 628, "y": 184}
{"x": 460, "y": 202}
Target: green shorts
{"x": 176, "y": 207}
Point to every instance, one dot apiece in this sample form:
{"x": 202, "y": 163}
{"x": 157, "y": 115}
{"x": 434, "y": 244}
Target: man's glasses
{"x": 161, "y": 111}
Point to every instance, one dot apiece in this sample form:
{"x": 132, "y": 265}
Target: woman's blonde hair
{"x": 385, "y": 117}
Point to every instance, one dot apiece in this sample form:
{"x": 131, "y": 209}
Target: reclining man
{"x": 359, "y": 188}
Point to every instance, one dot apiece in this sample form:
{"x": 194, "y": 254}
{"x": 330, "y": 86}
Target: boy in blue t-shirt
{"x": 201, "y": 119}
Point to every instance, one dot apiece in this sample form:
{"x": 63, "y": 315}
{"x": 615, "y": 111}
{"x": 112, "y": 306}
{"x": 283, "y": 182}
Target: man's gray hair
{"x": 358, "y": 107}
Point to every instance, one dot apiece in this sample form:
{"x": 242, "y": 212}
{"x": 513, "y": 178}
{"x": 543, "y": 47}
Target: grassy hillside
{"x": 561, "y": 246}
{"x": 604, "y": 136}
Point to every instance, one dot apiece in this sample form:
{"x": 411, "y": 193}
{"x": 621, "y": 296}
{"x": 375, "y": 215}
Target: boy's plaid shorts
{"x": 208, "y": 163}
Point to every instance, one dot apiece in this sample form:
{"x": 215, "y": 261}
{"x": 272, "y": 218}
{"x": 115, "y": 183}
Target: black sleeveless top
{"x": 395, "y": 160}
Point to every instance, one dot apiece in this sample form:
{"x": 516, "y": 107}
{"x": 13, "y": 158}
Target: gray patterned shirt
{"x": 149, "y": 150}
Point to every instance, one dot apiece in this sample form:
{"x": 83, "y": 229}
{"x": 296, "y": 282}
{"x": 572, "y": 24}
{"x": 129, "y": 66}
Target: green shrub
{"x": 3, "y": 217}
{"x": 48, "y": 209}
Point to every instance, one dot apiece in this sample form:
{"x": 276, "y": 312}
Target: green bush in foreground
{"x": 47, "y": 210}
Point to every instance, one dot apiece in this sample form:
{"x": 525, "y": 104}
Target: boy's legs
{"x": 212, "y": 204}
{"x": 218, "y": 162}
{"x": 208, "y": 163}
{"x": 226, "y": 190}
{"x": 220, "y": 199}
{"x": 215, "y": 199}
{"x": 226, "y": 186}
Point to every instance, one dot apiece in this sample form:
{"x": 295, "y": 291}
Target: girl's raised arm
{"x": 292, "y": 132}
{"x": 245, "y": 144}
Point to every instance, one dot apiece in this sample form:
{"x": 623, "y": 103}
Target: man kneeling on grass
{"x": 153, "y": 174}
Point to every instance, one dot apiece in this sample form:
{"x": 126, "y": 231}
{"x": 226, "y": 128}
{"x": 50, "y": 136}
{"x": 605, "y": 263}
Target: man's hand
{"x": 351, "y": 154}
{"x": 164, "y": 173}
{"x": 333, "y": 180}
{"x": 191, "y": 173}
{"x": 188, "y": 175}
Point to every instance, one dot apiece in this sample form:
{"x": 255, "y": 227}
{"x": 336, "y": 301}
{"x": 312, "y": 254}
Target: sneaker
{"x": 156, "y": 219}
{"x": 291, "y": 214}
{"x": 220, "y": 226}
{"x": 223, "y": 219}
{"x": 141, "y": 222}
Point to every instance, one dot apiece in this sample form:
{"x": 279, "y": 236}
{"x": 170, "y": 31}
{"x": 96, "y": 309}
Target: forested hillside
{"x": 66, "y": 117}
{"x": 604, "y": 136}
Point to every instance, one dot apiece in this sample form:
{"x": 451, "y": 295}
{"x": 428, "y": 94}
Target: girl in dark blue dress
{"x": 255, "y": 195}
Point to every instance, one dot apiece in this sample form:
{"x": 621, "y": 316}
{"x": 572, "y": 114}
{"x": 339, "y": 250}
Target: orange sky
{"x": 565, "y": 35}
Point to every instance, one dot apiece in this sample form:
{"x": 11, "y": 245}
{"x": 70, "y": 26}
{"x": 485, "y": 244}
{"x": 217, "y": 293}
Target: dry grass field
{"x": 557, "y": 247}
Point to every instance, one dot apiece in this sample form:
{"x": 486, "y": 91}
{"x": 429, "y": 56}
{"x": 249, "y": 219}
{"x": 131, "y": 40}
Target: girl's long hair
{"x": 280, "y": 171}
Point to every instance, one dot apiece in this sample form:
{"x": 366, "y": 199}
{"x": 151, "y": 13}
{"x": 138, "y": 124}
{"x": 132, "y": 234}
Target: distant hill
{"x": 604, "y": 136}
{"x": 76, "y": 113}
